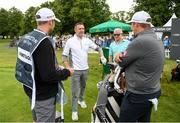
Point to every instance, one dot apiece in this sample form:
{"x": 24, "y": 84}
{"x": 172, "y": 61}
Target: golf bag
{"x": 175, "y": 72}
{"x": 107, "y": 107}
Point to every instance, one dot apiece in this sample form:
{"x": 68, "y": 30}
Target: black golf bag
{"x": 175, "y": 72}
{"x": 107, "y": 107}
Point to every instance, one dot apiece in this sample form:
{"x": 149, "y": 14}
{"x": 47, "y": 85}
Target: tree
{"x": 119, "y": 16}
{"x": 3, "y": 22}
{"x": 67, "y": 21}
{"x": 15, "y": 18}
{"x": 100, "y": 12}
{"x": 81, "y": 12}
{"x": 90, "y": 12}
{"x": 58, "y": 11}
{"x": 176, "y": 4}
{"x": 29, "y": 22}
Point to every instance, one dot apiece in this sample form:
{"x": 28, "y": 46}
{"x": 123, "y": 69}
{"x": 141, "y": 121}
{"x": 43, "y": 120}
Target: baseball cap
{"x": 46, "y": 14}
{"x": 141, "y": 17}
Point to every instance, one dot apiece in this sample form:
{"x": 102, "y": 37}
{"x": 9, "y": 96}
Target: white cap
{"x": 45, "y": 14}
{"x": 141, "y": 17}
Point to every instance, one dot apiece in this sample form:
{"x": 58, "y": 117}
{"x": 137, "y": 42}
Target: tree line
{"x": 91, "y": 12}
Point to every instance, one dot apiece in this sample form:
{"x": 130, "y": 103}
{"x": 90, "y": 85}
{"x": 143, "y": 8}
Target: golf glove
{"x": 155, "y": 103}
{"x": 103, "y": 60}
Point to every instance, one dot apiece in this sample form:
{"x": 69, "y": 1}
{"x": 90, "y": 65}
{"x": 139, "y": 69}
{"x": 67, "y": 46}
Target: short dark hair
{"x": 145, "y": 25}
{"x": 79, "y": 23}
{"x": 41, "y": 22}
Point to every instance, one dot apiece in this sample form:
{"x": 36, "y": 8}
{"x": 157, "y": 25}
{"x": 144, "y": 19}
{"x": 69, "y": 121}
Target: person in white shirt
{"x": 75, "y": 55}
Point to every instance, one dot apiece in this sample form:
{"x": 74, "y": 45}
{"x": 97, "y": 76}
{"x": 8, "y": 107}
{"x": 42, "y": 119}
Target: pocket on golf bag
{"x": 112, "y": 108}
{"x": 175, "y": 73}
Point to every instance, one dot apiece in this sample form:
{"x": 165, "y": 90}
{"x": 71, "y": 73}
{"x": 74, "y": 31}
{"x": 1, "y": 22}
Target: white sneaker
{"x": 74, "y": 116}
{"x": 82, "y": 104}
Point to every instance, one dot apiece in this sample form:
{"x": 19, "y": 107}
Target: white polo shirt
{"x": 79, "y": 51}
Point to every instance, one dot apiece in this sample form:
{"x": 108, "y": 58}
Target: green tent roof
{"x": 109, "y": 26}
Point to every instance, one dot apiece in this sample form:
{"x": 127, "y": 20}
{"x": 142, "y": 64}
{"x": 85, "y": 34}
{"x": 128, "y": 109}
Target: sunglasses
{"x": 117, "y": 34}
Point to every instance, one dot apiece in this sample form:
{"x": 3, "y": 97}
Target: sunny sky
{"x": 23, "y": 5}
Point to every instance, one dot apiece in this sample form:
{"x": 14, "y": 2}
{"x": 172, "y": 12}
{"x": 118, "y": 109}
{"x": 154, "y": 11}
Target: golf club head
{"x": 112, "y": 65}
{"x": 178, "y": 61}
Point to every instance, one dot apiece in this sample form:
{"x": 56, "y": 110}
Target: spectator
{"x": 109, "y": 40}
{"x": 98, "y": 41}
{"x": 167, "y": 45}
{"x": 119, "y": 45}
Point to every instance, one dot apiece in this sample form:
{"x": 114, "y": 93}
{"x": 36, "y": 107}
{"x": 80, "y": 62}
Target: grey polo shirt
{"x": 143, "y": 62}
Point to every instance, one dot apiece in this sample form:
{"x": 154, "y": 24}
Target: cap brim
{"x": 56, "y": 19}
{"x": 140, "y": 22}
{"x": 152, "y": 25}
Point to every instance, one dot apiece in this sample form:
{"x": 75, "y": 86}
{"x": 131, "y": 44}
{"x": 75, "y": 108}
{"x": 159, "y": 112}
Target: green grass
{"x": 14, "y": 104}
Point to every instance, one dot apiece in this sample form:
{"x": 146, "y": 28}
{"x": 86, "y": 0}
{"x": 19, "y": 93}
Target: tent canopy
{"x": 109, "y": 26}
{"x": 169, "y": 23}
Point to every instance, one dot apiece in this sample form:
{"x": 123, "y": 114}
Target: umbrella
{"x": 109, "y": 26}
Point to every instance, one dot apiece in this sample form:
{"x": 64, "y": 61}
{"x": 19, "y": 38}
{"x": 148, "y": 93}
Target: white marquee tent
{"x": 169, "y": 23}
